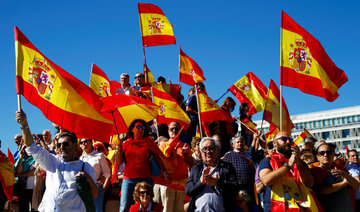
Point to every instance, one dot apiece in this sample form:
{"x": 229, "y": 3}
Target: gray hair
{"x": 235, "y": 137}
{"x": 215, "y": 142}
{"x": 125, "y": 75}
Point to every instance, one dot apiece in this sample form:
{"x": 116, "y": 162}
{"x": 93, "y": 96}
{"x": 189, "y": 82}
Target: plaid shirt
{"x": 243, "y": 171}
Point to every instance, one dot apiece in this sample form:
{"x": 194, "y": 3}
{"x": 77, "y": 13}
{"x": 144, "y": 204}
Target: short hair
{"x": 235, "y": 137}
{"x": 125, "y": 75}
{"x": 317, "y": 148}
{"x": 132, "y": 125}
{"x": 353, "y": 150}
{"x": 242, "y": 107}
{"x": 141, "y": 74}
{"x": 194, "y": 141}
{"x": 161, "y": 79}
{"x": 310, "y": 139}
{"x": 200, "y": 84}
{"x": 144, "y": 185}
{"x": 215, "y": 142}
{"x": 71, "y": 136}
{"x": 177, "y": 124}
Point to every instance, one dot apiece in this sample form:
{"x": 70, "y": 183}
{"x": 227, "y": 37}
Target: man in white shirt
{"x": 61, "y": 171}
{"x": 125, "y": 85}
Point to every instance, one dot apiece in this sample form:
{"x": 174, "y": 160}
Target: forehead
{"x": 138, "y": 123}
{"x": 324, "y": 148}
{"x": 281, "y": 134}
{"x": 208, "y": 143}
{"x": 173, "y": 124}
{"x": 352, "y": 153}
{"x": 124, "y": 77}
{"x": 64, "y": 139}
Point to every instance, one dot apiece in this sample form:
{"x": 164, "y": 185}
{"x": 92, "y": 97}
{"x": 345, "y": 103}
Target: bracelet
{"x": 24, "y": 127}
{"x": 286, "y": 165}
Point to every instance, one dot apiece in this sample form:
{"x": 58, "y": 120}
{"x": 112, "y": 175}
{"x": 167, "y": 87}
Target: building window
{"x": 325, "y": 135}
{"x": 344, "y": 120}
{"x": 348, "y": 143}
{"x": 320, "y": 123}
{"x": 349, "y": 119}
{"x": 307, "y": 125}
{"x": 327, "y": 123}
{"x": 346, "y": 133}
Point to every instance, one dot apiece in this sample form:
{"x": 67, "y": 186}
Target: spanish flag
{"x": 304, "y": 134}
{"x": 62, "y": 98}
{"x": 149, "y": 77}
{"x": 210, "y": 111}
{"x": 7, "y": 179}
{"x": 155, "y": 28}
{"x": 189, "y": 71}
{"x": 251, "y": 90}
{"x": 272, "y": 109}
{"x": 273, "y": 130}
{"x": 99, "y": 82}
{"x": 172, "y": 89}
{"x": 249, "y": 124}
{"x": 169, "y": 109}
{"x": 305, "y": 64}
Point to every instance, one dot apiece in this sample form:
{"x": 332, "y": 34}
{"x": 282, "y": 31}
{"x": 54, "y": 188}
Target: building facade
{"x": 338, "y": 126}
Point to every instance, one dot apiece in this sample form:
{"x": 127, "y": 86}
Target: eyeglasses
{"x": 140, "y": 127}
{"x": 285, "y": 139}
{"x": 173, "y": 129}
{"x": 142, "y": 193}
{"x": 138, "y": 77}
{"x": 84, "y": 142}
{"x": 208, "y": 149}
{"x": 64, "y": 144}
{"x": 322, "y": 153}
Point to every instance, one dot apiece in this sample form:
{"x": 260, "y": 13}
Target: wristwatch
{"x": 286, "y": 165}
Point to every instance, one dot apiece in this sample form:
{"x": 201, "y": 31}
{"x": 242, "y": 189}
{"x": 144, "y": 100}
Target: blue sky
{"x": 226, "y": 39}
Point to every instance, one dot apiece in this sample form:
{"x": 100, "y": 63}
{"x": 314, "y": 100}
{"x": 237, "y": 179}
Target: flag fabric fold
{"x": 149, "y": 77}
{"x": 272, "y": 109}
{"x": 304, "y": 134}
{"x": 189, "y": 71}
{"x": 305, "y": 64}
{"x": 249, "y": 124}
{"x": 249, "y": 89}
{"x": 155, "y": 28}
{"x": 169, "y": 109}
{"x": 61, "y": 97}
{"x": 273, "y": 130}
{"x": 210, "y": 111}
{"x": 99, "y": 82}
{"x": 7, "y": 178}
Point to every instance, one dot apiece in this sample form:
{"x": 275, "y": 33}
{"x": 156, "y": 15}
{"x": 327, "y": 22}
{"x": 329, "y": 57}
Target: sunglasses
{"x": 140, "y": 127}
{"x": 209, "y": 149}
{"x": 138, "y": 77}
{"x": 329, "y": 152}
{"x": 285, "y": 139}
{"x": 84, "y": 142}
{"x": 142, "y": 193}
{"x": 64, "y": 144}
{"x": 173, "y": 129}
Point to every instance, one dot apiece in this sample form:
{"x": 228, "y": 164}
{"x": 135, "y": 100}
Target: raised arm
{"x": 22, "y": 120}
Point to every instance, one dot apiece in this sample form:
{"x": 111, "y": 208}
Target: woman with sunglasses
{"x": 135, "y": 153}
{"x": 333, "y": 183}
{"x": 98, "y": 162}
{"x": 143, "y": 195}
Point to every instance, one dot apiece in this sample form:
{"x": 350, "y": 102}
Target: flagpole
{"x": 281, "y": 87}
{"x": 152, "y": 99}
{"x": 248, "y": 128}
{"x": 92, "y": 65}
{"x": 198, "y": 108}
{"x": 19, "y": 102}
{"x": 222, "y": 96}
{"x": 179, "y": 63}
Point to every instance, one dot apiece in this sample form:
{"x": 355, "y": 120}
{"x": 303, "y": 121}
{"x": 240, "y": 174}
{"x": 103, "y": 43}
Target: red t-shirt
{"x": 137, "y": 158}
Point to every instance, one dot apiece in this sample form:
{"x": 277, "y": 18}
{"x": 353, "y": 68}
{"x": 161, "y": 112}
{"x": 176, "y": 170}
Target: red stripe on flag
{"x": 149, "y": 8}
{"x": 158, "y": 40}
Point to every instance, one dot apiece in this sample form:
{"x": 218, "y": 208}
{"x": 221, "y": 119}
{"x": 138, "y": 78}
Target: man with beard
{"x": 285, "y": 177}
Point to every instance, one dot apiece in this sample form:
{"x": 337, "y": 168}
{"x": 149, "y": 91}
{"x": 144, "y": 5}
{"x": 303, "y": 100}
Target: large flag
{"x": 189, "y": 71}
{"x": 272, "y": 109}
{"x": 273, "y": 130}
{"x": 7, "y": 179}
{"x": 210, "y": 111}
{"x": 305, "y": 64}
{"x": 155, "y": 28}
{"x": 172, "y": 89}
{"x": 304, "y": 134}
{"x": 10, "y": 157}
{"x": 99, "y": 82}
{"x": 62, "y": 98}
{"x": 251, "y": 90}
{"x": 169, "y": 109}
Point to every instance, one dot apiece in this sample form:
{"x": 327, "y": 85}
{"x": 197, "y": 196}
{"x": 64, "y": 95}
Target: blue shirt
{"x": 191, "y": 102}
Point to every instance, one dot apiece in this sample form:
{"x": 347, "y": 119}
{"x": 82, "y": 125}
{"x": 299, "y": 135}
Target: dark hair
{"x": 229, "y": 100}
{"x": 161, "y": 79}
{"x": 242, "y": 107}
{"x": 71, "y": 136}
{"x": 200, "y": 84}
{"x": 132, "y": 125}
{"x": 144, "y": 185}
{"x": 353, "y": 150}
{"x": 194, "y": 141}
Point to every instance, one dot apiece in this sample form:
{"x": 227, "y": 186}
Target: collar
{"x": 149, "y": 207}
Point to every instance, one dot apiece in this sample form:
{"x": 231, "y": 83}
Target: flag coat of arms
{"x": 305, "y": 64}
{"x": 210, "y": 111}
{"x": 249, "y": 89}
{"x": 272, "y": 109}
{"x": 169, "y": 109}
{"x": 155, "y": 28}
{"x": 61, "y": 97}
{"x": 189, "y": 71}
{"x": 99, "y": 82}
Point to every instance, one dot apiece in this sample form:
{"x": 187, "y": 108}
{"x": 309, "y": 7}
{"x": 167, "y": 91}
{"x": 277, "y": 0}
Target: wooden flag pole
{"x": 249, "y": 128}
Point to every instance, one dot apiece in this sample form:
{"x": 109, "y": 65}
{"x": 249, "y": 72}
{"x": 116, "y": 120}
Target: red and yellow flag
{"x": 189, "y": 71}
{"x": 10, "y": 157}
{"x": 7, "y": 179}
{"x": 273, "y": 130}
{"x": 251, "y": 90}
{"x": 304, "y": 62}
{"x": 169, "y": 109}
{"x": 155, "y": 28}
{"x": 304, "y": 134}
{"x": 272, "y": 109}
{"x": 149, "y": 77}
{"x": 99, "y": 82}
{"x": 249, "y": 124}
{"x": 172, "y": 89}
{"x": 62, "y": 98}
{"x": 210, "y": 111}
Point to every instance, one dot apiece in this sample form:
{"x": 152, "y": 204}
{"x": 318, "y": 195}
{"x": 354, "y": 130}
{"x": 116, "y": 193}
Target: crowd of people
{"x": 177, "y": 170}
